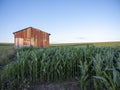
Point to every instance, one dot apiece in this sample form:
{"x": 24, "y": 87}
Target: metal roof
{"x": 28, "y": 28}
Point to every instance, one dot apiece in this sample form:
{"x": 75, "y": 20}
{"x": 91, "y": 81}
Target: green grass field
{"x": 6, "y": 55}
{"x": 104, "y": 44}
{"x": 6, "y": 44}
{"x": 96, "y": 63}
{"x": 7, "y": 49}
{"x": 98, "y": 44}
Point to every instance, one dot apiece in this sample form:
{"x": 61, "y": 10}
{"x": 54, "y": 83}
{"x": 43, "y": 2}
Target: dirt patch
{"x": 73, "y": 85}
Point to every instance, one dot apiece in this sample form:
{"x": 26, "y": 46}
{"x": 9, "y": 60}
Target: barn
{"x": 31, "y": 37}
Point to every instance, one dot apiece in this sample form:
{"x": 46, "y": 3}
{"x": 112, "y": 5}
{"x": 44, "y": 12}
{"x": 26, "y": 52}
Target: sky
{"x": 68, "y": 21}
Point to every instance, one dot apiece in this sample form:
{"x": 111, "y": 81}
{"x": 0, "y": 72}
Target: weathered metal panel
{"x": 28, "y": 33}
{"x": 31, "y": 37}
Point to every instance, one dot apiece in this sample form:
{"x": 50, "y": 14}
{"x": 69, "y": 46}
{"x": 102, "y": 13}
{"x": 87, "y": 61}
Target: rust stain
{"x": 31, "y": 37}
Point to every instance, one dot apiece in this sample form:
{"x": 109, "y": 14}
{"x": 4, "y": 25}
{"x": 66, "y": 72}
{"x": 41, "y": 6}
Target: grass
{"x": 97, "y": 44}
{"x": 6, "y": 54}
{"x": 94, "y": 67}
{"x": 6, "y": 44}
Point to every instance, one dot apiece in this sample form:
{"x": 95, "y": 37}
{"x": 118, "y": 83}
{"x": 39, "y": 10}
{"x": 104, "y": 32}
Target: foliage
{"x": 6, "y": 44}
{"x": 97, "y": 44}
{"x": 7, "y": 54}
{"x": 94, "y": 67}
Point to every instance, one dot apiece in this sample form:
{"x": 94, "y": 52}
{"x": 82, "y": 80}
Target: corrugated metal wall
{"x": 31, "y": 37}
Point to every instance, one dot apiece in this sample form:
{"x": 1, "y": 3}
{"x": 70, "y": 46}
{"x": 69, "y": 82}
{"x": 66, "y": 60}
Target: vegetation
{"x": 7, "y": 55}
{"x": 97, "y": 44}
{"x": 6, "y": 44}
{"x": 96, "y": 68}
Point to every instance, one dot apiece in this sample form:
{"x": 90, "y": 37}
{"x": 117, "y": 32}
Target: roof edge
{"x": 31, "y": 28}
{"x": 40, "y": 30}
{"x": 21, "y": 30}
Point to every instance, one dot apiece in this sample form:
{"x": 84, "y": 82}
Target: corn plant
{"x": 89, "y": 65}
{"x": 84, "y": 74}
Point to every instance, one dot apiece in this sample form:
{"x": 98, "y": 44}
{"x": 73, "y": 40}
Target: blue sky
{"x": 68, "y": 21}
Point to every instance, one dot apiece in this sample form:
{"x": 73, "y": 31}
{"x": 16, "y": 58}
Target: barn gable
{"x": 31, "y": 37}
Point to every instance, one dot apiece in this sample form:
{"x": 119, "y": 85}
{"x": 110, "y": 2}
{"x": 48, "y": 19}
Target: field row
{"x": 95, "y": 68}
{"x": 116, "y": 43}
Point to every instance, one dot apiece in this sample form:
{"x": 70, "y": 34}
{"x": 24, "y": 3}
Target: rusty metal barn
{"x": 31, "y": 37}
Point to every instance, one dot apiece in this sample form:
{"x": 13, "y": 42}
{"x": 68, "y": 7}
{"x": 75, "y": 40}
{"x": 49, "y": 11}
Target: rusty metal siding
{"x": 45, "y": 39}
{"x": 31, "y": 37}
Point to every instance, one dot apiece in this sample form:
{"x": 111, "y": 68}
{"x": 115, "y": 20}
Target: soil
{"x": 71, "y": 85}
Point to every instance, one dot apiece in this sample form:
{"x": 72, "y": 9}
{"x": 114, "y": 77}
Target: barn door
{"x": 20, "y": 40}
{"x": 28, "y": 42}
{"x": 32, "y": 43}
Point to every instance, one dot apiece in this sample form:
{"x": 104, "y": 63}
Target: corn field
{"x": 95, "y": 68}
